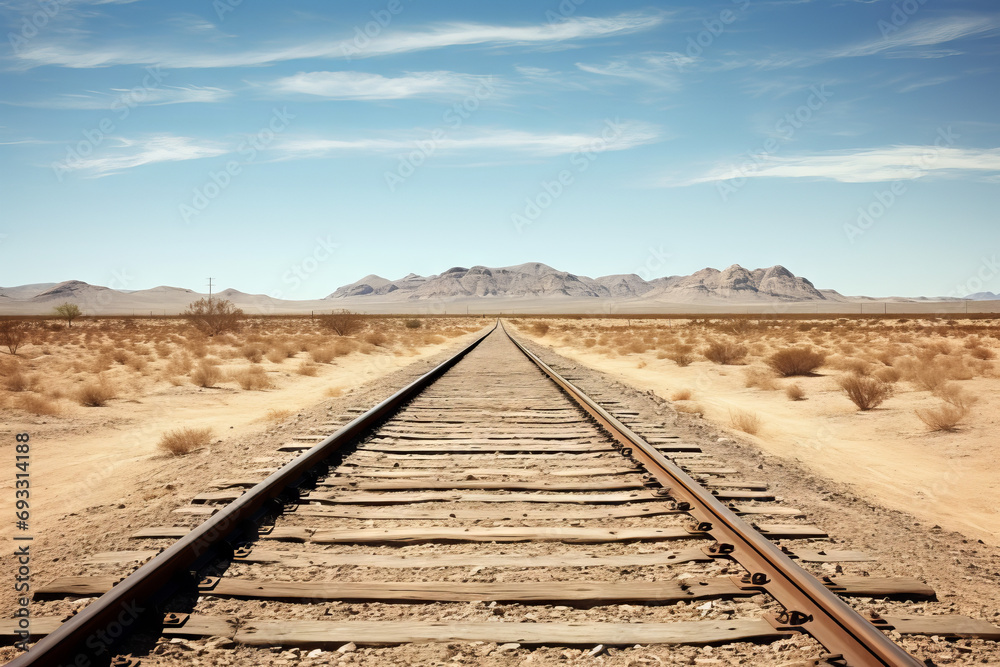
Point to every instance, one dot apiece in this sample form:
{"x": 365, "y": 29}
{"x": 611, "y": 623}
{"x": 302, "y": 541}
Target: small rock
{"x": 349, "y": 647}
{"x": 315, "y": 653}
{"x": 595, "y": 651}
{"x": 508, "y": 647}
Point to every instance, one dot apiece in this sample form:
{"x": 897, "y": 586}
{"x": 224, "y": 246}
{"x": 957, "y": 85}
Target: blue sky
{"x": 288, "y": 148}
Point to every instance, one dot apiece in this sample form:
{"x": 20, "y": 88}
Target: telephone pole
{"x": 210, "y": 290}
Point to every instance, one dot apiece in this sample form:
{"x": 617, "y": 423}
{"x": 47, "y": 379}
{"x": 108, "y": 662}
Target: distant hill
{"x": 540, "y": 280}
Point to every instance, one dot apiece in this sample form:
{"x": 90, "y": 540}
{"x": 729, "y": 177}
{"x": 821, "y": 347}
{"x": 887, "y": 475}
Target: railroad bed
{"x": 487, "y": 515}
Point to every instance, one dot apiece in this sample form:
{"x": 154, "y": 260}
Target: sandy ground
{"x": 886, "y": 455}
{"x": 96, "y": 458}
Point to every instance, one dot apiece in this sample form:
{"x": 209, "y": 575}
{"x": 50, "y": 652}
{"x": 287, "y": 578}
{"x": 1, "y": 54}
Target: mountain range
{"x": 526, "y": 288}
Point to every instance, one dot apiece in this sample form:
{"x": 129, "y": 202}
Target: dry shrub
{"x": 185, "y": 440}
{"x": 206, "y": 375}
{"x": 15, "y": 380}
{"x": 38, "y": 405}
{"x": 343, "y": 322}
{"x": 888, "y": 374}
{"x": 307, "y": 368}
{"x": 376, "y": 338}
{"x": 690, "y": 408}
{"x": 747, "y": 422}
{"x": 13, "y": 334}
{"x": 681, "y": 395}
{"x": 865, "y": 391}
{"x": 850, "y": 364}
{"x": 179, "y": 364}
{"x": 322, "y": 355}
{"x": 725, "y": 352}
{"x": 252, "y": 353}
{"x": 981, "y": 353}
{"x": 412, "y": 324}
{"x": 759, "y": 377}
{"x": 944, "y": 418}
{"x": 539, "y": 328}
{"x": 795, "y": 392}
{"x": 276, "y": 415}
{"x": 251, "y": 378}
{"x": 928, "y": 376}
{"x": 796, "y": 361}
{"x": 137, "y": 363}
{"x": 95, "y": 394}
{"x": 277, "y": 354}
{"x": 954, "y": 395}
{"x": 334, "y": 392}
{"x": 681, "y": 355}
{"x": 214, "y": 316}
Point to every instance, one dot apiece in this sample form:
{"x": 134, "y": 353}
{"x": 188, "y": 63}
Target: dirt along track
{"x": 490, "y": 520}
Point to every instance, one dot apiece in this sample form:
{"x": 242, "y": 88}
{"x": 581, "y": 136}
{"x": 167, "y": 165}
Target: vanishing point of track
{"x": 492, "y": 461}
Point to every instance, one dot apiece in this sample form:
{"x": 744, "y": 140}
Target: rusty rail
{"x": 809, "y": 606}
{"x": 87, "y": 638}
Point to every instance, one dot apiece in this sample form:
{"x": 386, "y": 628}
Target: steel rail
{"x": 810, "y": 606}
{"x": 87, "y": 637}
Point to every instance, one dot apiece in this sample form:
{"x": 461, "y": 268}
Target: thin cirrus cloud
{"x": 659, "y": 69}
{"x": 867, "y": 166}
{"x": 131, "y": 153}
{"x": 922, "y": 34}
{"x": 118, "y": 98}
{"x": 366, "y": 86}
{"x": 390, "y": 42}
{"x": 623, "y": 135}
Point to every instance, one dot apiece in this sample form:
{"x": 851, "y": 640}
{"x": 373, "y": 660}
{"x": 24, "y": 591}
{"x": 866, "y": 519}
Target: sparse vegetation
{"x": 539, "y": 328}
{"x": 943, "y": 418}
{"x": 795, "y": 392}
{"x": 252, "y": 378}
{"x": 184, "y": 441}
{"x": 865, "y": 391}
{"x": 761, "y": 378}
{"x": 681, "y": 395}
{"x": 206, "y": 375}
{"x": 412, "y": 324}
{"x": 37, "y": 404}
{"x": 725, "y": 352}
{"x": 95, "y": 393}
{"x": 13, "y": 333}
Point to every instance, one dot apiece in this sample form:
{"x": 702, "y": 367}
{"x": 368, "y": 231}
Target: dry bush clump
{"x": 95, "y": 393}
{"x": 251, "y": 378}
{"x": 206, "y": 375}
{"x": 277, "y": 354}
{"x": 865, "y": 391}
{"x": 682, "y": 355}
{"x": 277, "y": 415}
{"x": 954, "y": 395}
{"x": 796, "y": 361}
{"x": 307, "y": 368}
{"x": 943, "y": 418}
{"x": 322, "y": 355}
{"x": 214, "y": 316}
{"x": 185, "y": 440}
{"x": 376, "y": 338}
{"x": 343, "y": 322}
{"x": 334, "y": 392}
{"x": 681, "y": 395}
{"x": 747, "y": 422}
{"x": 690, "y": 408}
{"x": 761, "y": 378}
{"x": 13, "y": 334}
{"x": 37, "y": 404}
{"x": 15, "y": 380}
{"x": 252, "y": 353}
{"x": 982, "y": 353}
{"x": 725, "y": 352}
{"x": 888, "y": 374}
{"x": 412, "y": 324}
{"x": 539, "y": 328}
{"x": 795, "y": 392}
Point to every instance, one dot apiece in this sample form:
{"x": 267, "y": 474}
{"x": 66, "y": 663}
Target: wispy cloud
{"x": 929, "y": 32}
{"x": 123, "y": 97}
{"x": 365, "y": 86}
{"x": 628, "y": 134}
{"x": 865, "y": 166}
{"x": 659, "y": 69}
{"x": 391, "y": 42}
{"x": 130, "y": 153}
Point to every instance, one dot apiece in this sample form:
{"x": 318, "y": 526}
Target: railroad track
{"x": 489, "y": 505}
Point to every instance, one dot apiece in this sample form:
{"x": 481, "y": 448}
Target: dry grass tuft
{"x": 95, "y": 394}
{"x": 323, "y": 355}
{"x": 412, "y": 324}
{"x": 747, "y": 422}
{"x": 681, "y": 355}
{"x": 796, "y": 361}
{"x": 376, "y": 338}
{"x": 681, "y": 395}
{"x": 308, "y": 368}
{"x": 865, "y": 391}
{"x": 725, "y": 352}
{"x": 539, "y": 328}
{"x": 944, "y": 418}
{"x": 38, "y": 405}
{"x": 795, "y": 392}
{"x": 276, "y": 415}
{"x": 954, "y": 395}
{"x": 690, "y": 408}
{"x": 334, "y": 392}
{"x": 17, "y": 381}
{"x": 206, "y": 375}
{"x": 251, "y": 378}
{"x": 185, "y": 440}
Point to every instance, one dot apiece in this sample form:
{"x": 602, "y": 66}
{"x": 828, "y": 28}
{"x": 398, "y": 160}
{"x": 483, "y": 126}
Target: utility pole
{"x": 210, "y": 290}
